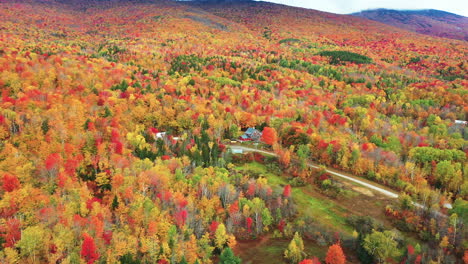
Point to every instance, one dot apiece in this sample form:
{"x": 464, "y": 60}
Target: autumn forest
{"x": 193, "y": 132}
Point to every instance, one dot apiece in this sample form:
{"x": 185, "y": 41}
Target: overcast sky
{"x": 348, "y": 6}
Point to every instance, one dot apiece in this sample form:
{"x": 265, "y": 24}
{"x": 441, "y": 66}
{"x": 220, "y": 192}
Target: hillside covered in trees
{"x": 117, "y": 121}
{"x": 430, "y": 22}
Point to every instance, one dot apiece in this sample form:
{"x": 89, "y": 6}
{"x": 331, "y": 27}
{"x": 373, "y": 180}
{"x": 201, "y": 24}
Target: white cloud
{"x": 348, "y": 6}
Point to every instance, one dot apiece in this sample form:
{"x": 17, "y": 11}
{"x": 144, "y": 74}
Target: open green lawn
{"x": 325, "y": 212}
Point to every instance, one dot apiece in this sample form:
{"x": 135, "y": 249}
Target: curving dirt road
{"x": 370, "y": 185}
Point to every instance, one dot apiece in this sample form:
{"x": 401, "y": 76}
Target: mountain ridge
{"x": 425, "y": 21}
{"x": 433, "y": 12}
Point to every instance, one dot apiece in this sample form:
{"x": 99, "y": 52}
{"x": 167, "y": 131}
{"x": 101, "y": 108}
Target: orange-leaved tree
{"x": 269, "y": 136}
{"x": 335, "y": 255}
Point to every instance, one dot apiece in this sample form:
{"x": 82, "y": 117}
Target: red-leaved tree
{"x": 88, "y": 249}
{"x": 10, "y": 182}
{"x": 52, "y": 161}
{"x": 213, "y": 226}
{"x": 180, "y": 217}
{"x": 419, "y": 258}
{"x": 249, "y": 221}
{"x": 314, "y": 260}
{"x": 287, "y": 191}
{"x": 11, "y": 232}
{"x": 410, "y": 250}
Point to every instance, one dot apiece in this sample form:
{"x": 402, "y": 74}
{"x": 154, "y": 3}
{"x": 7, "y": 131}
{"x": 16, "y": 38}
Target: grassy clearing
{"x": 309, "y": 202}
{"x": 326, "y": 212}
{"x": 258, "y": 168}
{"x": 271, "y": 250}
{"x": 350, "y": 194}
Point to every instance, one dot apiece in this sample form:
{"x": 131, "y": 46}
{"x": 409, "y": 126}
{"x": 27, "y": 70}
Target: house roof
{"x": 250, "y": 130}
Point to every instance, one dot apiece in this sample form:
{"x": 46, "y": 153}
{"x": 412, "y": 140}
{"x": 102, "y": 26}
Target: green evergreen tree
{"x": 129, "y": 259}
{"x": 183, "y": 261}
{"x": 115, "y": 203}
{"x": 228, "y": 257}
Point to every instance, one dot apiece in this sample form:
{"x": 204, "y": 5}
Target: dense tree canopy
{"x": 116, "y": 119}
